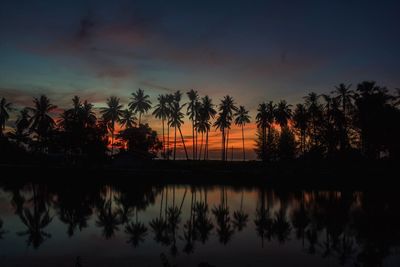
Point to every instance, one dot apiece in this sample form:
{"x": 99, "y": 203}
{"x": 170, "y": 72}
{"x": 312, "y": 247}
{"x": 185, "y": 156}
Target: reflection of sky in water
{"x": 243, "y": 249}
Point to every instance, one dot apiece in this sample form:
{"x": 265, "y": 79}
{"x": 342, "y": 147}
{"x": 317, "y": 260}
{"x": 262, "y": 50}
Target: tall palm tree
{"x": 176, "y": 120}
{"x": 169, "y": 99}
{"x": 208, "y": 113}
{"x": 128, "y": 119}
{"x": 202, "y": 126}
{"x": 224, "y": 121}
{"x": 41, "y": 121}
{"x": 314, "y": 110}
{"x": 5, "y": 108}
{"x": 345, "y": 96}
{"x": 265, "y": 118}
{"x": 242, "y": 117}
{"x": 300, "y": 119}
{"x": 111, "y": 115}
{"x": 283, "y": 113}
{"x": 140, "y": 103}
{"x": 192, "y": 111}
{"x": 162, "y": 112}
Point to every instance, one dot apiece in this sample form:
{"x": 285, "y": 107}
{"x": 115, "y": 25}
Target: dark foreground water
{"x": 136, "y": 225}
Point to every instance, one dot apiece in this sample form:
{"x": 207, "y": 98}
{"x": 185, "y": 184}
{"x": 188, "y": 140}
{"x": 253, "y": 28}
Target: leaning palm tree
{"x": 176, "y": 121}
{"x": 140, "y": 103}
{"x": 162, "y": 112}
{"x": 208, "y": 113}
{"x": 192, "y": 111}
{"x": 5, "y": 108}
{"x": 111, "y": 115}
{"x": 242, "y": 117}
{"x": 41, "y": 121}
{"x": 128, "y": 119}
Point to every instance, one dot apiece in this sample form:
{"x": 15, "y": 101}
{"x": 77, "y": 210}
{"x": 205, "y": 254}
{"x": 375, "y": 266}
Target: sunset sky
{"x": 252, "y": 50}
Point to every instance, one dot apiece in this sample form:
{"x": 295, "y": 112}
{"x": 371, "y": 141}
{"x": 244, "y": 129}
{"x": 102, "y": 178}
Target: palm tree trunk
{"x": 223, "y": 144}
{"x": 175, "y": 144}
{"x": 163, "y": 137}
{"x": 183, "y": 142}
{"x": 206, "y": 146}
{"x": 227, "y": 145}
{"x": 193, "y": 149}
{"x": 244, "y": 154}
{"x": 201, "y": 145}
{"x": 140, "y": 117}
{"x": 168, "y": 147}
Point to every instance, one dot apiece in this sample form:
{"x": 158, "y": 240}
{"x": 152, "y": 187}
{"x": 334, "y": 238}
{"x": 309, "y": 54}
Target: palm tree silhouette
{"x": 111, "y": 115}
{"x": 300, "y": 119}
{"x": 314, "y": 109}
{"x": 176, "y": 120}
{"x": 207, "y": 113}
{"x": 345, "y": 96}
{"x": 162, "y": 111}
{"x": 140, "y": 103}
{"x": 128, "y": 119}
{"x": 193, "y": 111}
{"x": 224, "y": 120}
{"x": 203, "y": 223}
{"x": 242, "y": 117}
{"x": 21, "y": 131}
{"x": 283, "y": 113}
{"x": 41, "y": 121}
{"x": 263, "y": 220}
{"x": 5, "y": 108}
{"x": 265, "y": 118}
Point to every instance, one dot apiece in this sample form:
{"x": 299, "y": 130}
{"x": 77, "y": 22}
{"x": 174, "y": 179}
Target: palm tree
{"x": 140, "y": 103}
{"x": 345, "y": 96}
{"x": 283, "y": 113}
{"x": 265, "y": 118}
{"x": 111, "y": 115}
{"x": 242, "y": 117}
{"x": 314, "y": 110}
{"x": 192, "y": 111}
{"x": 20, "y": 133}
{"x": 176, "y": 120}
{"x": 223, "y": 122}
{"x": 5, "y": 108}
{"x": 202, "y": 126}
{"x": 128, "y": 119}
{"x": 162, "y": 112}
{"x": 41, "y": 121}
{"x": 300, "y": 119}
{"x": 208, "y": 112}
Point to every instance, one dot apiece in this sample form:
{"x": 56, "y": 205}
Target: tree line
{"x": 363, "y": 121}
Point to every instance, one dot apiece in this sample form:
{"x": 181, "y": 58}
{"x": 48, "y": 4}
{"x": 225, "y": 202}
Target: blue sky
{"x": 253, "y": 50}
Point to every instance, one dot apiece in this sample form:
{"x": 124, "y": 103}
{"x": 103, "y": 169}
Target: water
{"x": 173, "y": 225}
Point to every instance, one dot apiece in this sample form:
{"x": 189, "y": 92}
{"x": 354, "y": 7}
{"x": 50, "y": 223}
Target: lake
{"x": 100, "y": 224}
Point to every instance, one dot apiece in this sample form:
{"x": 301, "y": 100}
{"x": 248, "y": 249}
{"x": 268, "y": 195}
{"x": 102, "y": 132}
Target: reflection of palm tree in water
{"x": 300, "y": 220}
{"x": 159, "y": 225}
{"x": 108, "y": 218}
{"x": 203, "y": 223}
{"x": 136, "y": 230}
{"x": 263, "y": 220}
{"x": 36, "y": 220}
{"x": 281, "y": 227}
{"x": 240, "y": 218}
{"x": 173, "y": 220}
{"x": 190, "y": 233}
{"x": 225, "y": 230}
